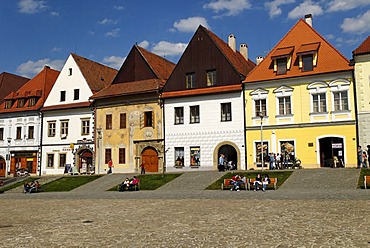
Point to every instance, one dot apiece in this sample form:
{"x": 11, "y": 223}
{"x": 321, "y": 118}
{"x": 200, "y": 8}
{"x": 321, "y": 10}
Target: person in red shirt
{"x": 142, "y": 166}
{"x": 110, "y": 166}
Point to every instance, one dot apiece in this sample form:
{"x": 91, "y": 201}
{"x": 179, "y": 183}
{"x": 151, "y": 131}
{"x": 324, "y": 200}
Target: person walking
{"x": 110, "y": 166}
{"x": 221, "y": 162}
{"x": 359, "y": 157}
{"x": 142, "y": 166}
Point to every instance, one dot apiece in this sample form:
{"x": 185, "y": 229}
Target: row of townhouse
{"x": 303, "y": 99}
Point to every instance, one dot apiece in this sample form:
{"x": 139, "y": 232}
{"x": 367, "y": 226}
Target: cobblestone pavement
{"x": 288, "y": 217}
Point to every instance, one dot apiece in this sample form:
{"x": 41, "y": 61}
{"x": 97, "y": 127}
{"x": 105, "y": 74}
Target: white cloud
{"x": 113, "y": 33}
{"x": 274, "y": 7}
{"x": 165, "y": 48}
{"x": 329, "y": 36}
{"x": 144, "y": 44}
{"x": 357, "y": 25}
{"x": 190, "y": 24}
{"x": 344, "y": 5}
{"x": 31, "y": 6}
{"x": 114, "y": 61}
{"x": 56, "y": 49}
{"x": 307, "y": 7}
{"x": 232, "y": 7}
{"x": 54, "y": 13}
{"x": 119, "y": 7}
{"x": 31, "y": 68}
{"x": 107, "y": 21}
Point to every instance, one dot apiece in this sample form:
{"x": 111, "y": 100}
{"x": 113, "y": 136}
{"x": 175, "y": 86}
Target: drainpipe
{"x": 244, "y": 127}
{"x": 39, "y": 162}
{"x": 352, "y": 63}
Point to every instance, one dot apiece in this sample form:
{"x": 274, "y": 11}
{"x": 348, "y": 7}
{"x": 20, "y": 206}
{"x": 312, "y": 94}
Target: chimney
{"x": 232, "y": 42}
{"x": 243, "y": 48}
{"x": 308, "y": 19}
{"x": 259, "y": 60}
{"x": 46, "y": 67}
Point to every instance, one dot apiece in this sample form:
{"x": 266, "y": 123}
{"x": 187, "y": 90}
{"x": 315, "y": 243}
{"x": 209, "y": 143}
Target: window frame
{"x": 226, "y": 112}
{"x": 32, "y": 102}
{"x": 321, "y": 103}
{"x": 194, "y": 114}
{"x": 20, "y": 103}
{"x": 85, "y": 126}
{"x": 284, "y": 105}
{"x": 48, "y": 165}
{"x": 18, "y": 135}
{"x": 123, "y": 120}
{"x": 307, "y": 65}
{"x": 31, "y": 132}
{"x": 60, "y": 160}
{"x": 64, "y": 126}
{"x": 148, "y": 119}
{"x": 76, "y": 94}
{"x": 62, "y": 96}
{"x": 211, "y": 77}
{"x": 108, "y": 122}
{"x": 122, "y": 155}
{"x": 51, "y": 128}
{"x": 282, "y": 66}
{"x": 190, "y": 80}
{"x": 179, "y": 115}
{"x": 107, "y": 155}
{"x": 1, "y": 133}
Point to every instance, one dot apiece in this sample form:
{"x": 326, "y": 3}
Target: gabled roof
{"x": 96, "y": 75}
{"x": 10, "y": 83}
{"x": 237, "y": 60}
{"x": 142, "y": 72}
{"x": 302, "y": 37}
{"x": 40, "y": 85}
{"x": 363, "y": 48}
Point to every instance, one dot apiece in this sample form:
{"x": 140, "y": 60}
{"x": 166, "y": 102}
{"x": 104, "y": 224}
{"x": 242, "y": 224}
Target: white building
{"x": 204, "y": 104}
{"x": 68, "y": 117}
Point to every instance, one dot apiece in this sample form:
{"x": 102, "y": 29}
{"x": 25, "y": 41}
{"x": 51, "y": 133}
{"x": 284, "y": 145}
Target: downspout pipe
{"x": 352, "y": 63}
{"x": 244, "y": 126}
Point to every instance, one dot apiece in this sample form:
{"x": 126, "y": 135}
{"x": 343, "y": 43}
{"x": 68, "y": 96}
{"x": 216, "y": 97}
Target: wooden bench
{"x": 366, "y": 181}
{"x": 228, "y": 185}
{"x": 273, "y": 182}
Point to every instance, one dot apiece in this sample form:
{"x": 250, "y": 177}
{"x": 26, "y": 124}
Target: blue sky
{"x": 39, "y": 32}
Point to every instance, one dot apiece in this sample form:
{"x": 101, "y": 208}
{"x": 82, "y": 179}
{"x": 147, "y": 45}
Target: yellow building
{"x": 128, "y": 117}
{"x": 300, "y": 103}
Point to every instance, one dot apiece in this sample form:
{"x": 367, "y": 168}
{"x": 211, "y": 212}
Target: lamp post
{"x": 260, "y": 114}
{"x": 98, "y": 131}
{"x": 8, "y": 158}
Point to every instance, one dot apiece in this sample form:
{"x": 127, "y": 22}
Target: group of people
{"x": 278, "y": 161}
{"x": 31, "y": 186}
{"x": 236, "y": 181}
{"x": 223, "y": 164}
{"x": 363, "y": 157}
{"x": 261, "y": 182}
{"x": 128, "y": 184}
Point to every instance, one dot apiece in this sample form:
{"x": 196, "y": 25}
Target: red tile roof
{"x": 10, "y": 83}
{"x": 329, "y": 59}
{"x": 67, "y": 106}
{"x": 241, "y": 65}
{"x": 41, "y": 83}
{"x": 160, "y": 67}
{"x": 363, "y": 48}
{"x": 96, "y": 75}
{"x": 202, "y": 91}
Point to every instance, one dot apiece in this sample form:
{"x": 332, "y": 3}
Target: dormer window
{"x": 282, "y": 59}
{"x": 211, "y": 77}
{"x": 307, "y": 55}
{"x": 8, "y": 104}
{"x": 20, "y": 103}
{"x": 32, "y": 102}
{"x": 190, "y": 80}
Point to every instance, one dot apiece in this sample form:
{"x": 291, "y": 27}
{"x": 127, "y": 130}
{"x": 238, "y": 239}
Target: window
{"x": 226, "y": 111}
{"x": 64, "y": 129}
{"x": 51, "y": 129}
{"x": 148, "y": 119}
{"x": 260, "y": 106}
{"x": 122, "y": 155}
{"x": 340, "y": 100}
{"x": 1, "y": 133}
{"x": 108, "y": 155}
{"x": 8, "y": 104}
{"x": 195, "y": 156}
{"x": 284, "y": 105}
{"x": 108, "y": 122}
{"x": 319, "y": 103}
{"x": 281, "y": 66}
{"x": 31, "y": 132}
{"x": 20, "y": 103}
{"x": 307, "y": 61}
{"x": 62, "y": 159}
{"x": 287, "y": 151}
{"x": 190, "y": 80}
{"x": 85, "y": 127}
{"x": 62, "y": 95}
{"x": 179, "y": 156}
{"x": 32, "y": 102}
{"x": 122, "y": 120}
{"x": 70, "y": 72}
{"x": 194, "y": 114}
{"x": 179, "y": 115}
{"x": 50, "y": 161}
{"x": 76, "y": 94}
{"x": 19, "y": 133}
{"x": 261, "y": 150}
{"x": 211, "y": 78}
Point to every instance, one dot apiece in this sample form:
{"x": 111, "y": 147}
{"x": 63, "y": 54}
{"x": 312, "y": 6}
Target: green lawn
{"x": 67, "y": 183}
{"x": 153, "y": 181}
{"x": 363, "y": 172}
{"x": 280, "y": 175}
{"x": 19, "y": 183}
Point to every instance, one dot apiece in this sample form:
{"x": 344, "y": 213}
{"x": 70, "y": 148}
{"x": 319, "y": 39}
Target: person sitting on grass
{"x": 134, "y": 182}
{"x": 124, "y": 185}
{"x": 26, "y": 188}
{"x": 257, "y": 182}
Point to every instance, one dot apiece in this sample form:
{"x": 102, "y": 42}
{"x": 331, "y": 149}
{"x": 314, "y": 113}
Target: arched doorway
{"x": 150, "y": 156}
{"x": 2, "y": 167}
{"x": 231, "y": 155}
{"x": 85, "y": 161}
{"x": 331, "y": 152}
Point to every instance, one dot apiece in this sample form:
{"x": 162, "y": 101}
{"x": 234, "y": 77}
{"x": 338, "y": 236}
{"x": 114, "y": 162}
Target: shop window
{"x": 261, "y": 151}
{"x": 195, "y": 156}
{"x": 62, "y": 159}
{"x": 179, "y": 156}
{"x": 50, "y": 161}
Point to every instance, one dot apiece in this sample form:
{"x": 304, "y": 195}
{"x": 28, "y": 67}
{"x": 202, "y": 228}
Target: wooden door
{"x": 150, "y": 157}
{"x": 2, "y": 167}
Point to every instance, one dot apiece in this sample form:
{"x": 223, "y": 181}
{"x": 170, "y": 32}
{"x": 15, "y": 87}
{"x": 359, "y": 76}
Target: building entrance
{"x": 331, "y": 152}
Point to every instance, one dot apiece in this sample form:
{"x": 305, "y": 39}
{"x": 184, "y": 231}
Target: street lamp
{"x": 8, "y": 158}
{"x": 260, "y": 114}
{"x": 98, "y": 131}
